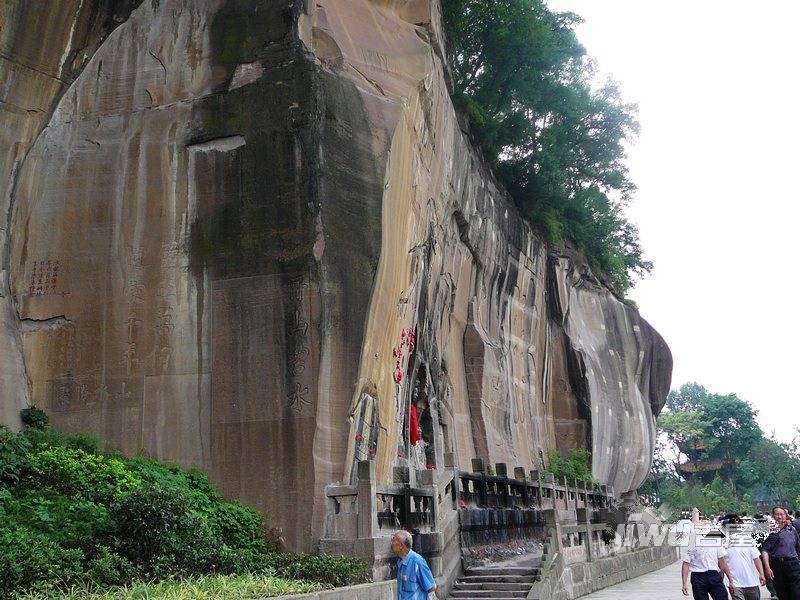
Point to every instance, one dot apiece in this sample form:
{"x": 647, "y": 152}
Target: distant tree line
{"x": 712, "y": 454}
{"x": 556, "y": 142}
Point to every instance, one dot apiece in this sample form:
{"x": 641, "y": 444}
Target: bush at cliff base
{"x": 71, "y": 515}
{"x": 576, "y": 465}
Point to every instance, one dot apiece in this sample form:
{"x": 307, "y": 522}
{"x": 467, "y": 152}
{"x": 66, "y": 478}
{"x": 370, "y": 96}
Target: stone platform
{"x": 664, "y": 584}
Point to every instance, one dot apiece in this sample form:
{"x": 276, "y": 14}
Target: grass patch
{"x": 210, "y": 587}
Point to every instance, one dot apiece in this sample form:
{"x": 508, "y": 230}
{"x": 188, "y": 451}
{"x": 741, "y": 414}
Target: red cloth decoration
{"x": 413, "y": 425}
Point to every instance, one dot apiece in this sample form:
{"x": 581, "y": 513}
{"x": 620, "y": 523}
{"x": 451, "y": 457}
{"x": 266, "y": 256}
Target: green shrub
{"x": 714, "y": 498}
{"x": 73, "y": 472}
{"x": 108, "y": 568}
{"x": 41, "y": 439}
{"x": 577, "y": 465}
{"x": 71, "y": 522}
{"x": 29, "y": 557}
{"x": 13, "y": 451}
{"x": 153, "y": 472}
{"x": 157, "y": 528}
{"x": 237, "y": 525}
{"x": 83, "y": 441}
{"x": 154, "y": 526}
{"x": 202, "y": 496}
{"x": 34, "y": 417}
{"x": 71, "y": 515}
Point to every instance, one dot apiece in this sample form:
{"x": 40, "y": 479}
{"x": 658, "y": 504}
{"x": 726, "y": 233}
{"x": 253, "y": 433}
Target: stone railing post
{"x": 483, "y": 490}
{"x": 550, "y": 482}
{"x": 519, "y": 475}
{"x": 537, "y": 477}
{"x": 553, "y": 524}
{"x": 367, "y": 513}
{"x": 501, "y": 470}
{"x": 590, "y": 534}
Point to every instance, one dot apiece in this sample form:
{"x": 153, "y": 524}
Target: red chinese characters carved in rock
{"x": 408, "y": 340}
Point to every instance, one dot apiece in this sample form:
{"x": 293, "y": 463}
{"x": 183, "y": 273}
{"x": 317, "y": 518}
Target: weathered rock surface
{"x": 251, "y": 232}
{"x": 43, "y": 47}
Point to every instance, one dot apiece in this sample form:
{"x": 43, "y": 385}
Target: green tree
{"x": 684, "y": 428}
{"x": 556, "y": 143}
{"x": 731, "y": 429}
{"x": 772, "y": 471}
{"x": 711, "y": 499}
{"x": 722, "y": 427}
{"x": 688, "y": 431}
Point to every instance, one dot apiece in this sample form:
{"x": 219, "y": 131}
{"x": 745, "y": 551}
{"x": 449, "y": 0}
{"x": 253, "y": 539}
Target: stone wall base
{"x": 567, "y": 582}
{"x": 383, "y": 590}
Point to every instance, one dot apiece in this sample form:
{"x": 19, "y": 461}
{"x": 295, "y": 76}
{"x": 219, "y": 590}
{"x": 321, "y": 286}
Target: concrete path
{"x": 664, "y": 584}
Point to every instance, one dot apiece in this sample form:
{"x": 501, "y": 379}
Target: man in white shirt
{"x": 744, "y": 561}
{"x": 705, "y": 560}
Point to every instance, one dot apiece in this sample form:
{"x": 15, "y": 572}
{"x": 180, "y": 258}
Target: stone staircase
{"x": 494, "y": 583}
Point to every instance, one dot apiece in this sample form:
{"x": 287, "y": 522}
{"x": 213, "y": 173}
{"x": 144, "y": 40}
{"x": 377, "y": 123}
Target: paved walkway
{"x": 664, "y": 584}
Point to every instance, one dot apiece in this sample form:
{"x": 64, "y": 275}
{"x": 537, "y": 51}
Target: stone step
{"x": 458, "y": 594}
{"x": 491, "y": 585}
{"x": 501, "y": 571}
{"x": 529, "y": 579}
{"x": 494, "y": 583}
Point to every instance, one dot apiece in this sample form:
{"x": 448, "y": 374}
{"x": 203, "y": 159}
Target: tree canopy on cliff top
{"x": 556, "y": 143}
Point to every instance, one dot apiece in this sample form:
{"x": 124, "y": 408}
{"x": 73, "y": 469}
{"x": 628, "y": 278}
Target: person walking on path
{"x": 796, "y": 521}
{"x": 765, "y": 523}
{"x": 705, "y": 560}
{"x": 780, "y": 552}
{"x": 414, "y": 578}
{"x": 744, "y": 561}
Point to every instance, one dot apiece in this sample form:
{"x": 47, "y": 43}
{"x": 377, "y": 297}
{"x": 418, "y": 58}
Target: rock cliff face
{"x": 43, "y": 47}
{"x": 246, "y": 235}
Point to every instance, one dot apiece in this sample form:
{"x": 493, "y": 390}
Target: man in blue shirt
{"x": 780, "y": 554}
{"x": 414, "y": 578}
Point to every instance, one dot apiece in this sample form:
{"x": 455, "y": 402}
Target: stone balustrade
{"x": 458, "y": 515}
{"x": 479, "y": 489}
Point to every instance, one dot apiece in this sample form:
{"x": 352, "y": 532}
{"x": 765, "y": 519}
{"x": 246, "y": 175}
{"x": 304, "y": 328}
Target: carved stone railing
{"x": 541, "y": 491}
{"x": 405, "y": 507}
{"x": 457, "y": 516}
{"x": 342, "y": 510}
{"x": 361, "y": 518}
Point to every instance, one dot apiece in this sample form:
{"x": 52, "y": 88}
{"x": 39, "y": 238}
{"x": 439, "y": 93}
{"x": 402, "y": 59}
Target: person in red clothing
{"x": 414, "y": 431}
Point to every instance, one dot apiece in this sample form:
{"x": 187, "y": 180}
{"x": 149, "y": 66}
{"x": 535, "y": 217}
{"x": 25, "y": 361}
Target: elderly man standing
{"x": 414, "y": 578}
{"x": 780, "y": 552}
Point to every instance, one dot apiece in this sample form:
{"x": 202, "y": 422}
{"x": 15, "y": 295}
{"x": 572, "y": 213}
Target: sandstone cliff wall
{"x": 245, "y": 235}
{"x": 43, "y": 47}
